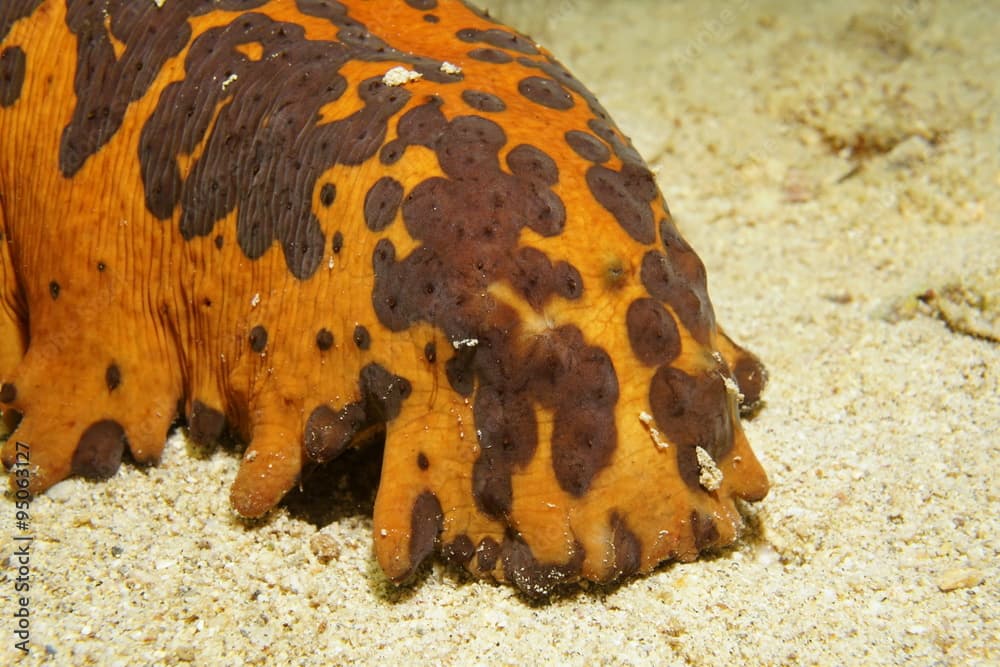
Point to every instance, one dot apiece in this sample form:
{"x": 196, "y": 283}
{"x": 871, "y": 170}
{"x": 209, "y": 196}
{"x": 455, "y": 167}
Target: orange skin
{"x": 174, "y": 317}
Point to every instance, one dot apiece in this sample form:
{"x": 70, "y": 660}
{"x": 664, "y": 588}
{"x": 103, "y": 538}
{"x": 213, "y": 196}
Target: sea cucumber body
{"x": 228, "y": 209}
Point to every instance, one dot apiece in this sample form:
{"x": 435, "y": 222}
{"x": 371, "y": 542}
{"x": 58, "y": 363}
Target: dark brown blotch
{"x": 533, "y": 578}
{"x": 8, "y": 392}
{"x": 751, "y": 377}
{"x": 545, "y": 92}
{"x": 422, "y": 461}
{"x": 338, "y": 242}
{"x": 12, "y": 69}
{"x": 383, "y": 393}
{"x": 652, "y": 332}
{"x": 430, "y": 352}
{"x": 704, "y": 530}
{"x": 483, "y": 101}
{"x": 502, "y": 39}
{"x": 459, "y": 551}
{"x": 98, "y": 455}
{"x": 679, "y": 280}
{"x": 327, "y": 433}
{"x": 382, "y": 203}
{"x": 692, "y": 411}
{"x": 626, "y": 547}
{"x": 492, "y": 56}
{"x": 588, "y": 146}
{"x": 205, "y": 424}
{"x": 533, "y": 163}
{"x": 626, "y": 195}
{"x": 426, "y": 521}
{"x": 423, "y": 5}
{"x": 487, "y": 554}
{"x": 54, "y": 290}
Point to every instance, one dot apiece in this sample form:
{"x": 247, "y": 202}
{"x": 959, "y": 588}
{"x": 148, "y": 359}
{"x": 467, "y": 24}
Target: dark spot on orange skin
{"x": 338, "y": 242}
{"x": 362, "y": 338}
{"x": 327, "y": 194}
{"x": 258, "y": 338}
{"x": 99, "y": 452}
{"x": 54, "y": 290}
{"x": 422, "y": 461}
{"x": 113, "y": 377}
{"x": 423, "y": 5}
{"x": 324, "y": 340}
{"x": 8, "y": 392}
{"x": 430, "y": 352}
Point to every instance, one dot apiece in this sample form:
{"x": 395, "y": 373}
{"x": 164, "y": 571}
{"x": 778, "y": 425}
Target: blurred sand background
{"x": 837, "y": 168}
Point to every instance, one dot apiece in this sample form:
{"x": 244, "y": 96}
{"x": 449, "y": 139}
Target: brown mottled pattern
{"x": 224, "y": 210}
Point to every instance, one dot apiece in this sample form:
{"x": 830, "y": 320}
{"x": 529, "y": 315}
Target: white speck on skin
{"x": 159, "y": 3}
{"x": 255, "y": 301}
{"x": 399, "y": 76}
{"x": 654, "y": 433}
{"x": 709, "y": 476}
{"x": 465, "y": 342}
{"x": 732, "y": 388}
{"x": 229, "y": 80}
{"x": 450, "y": 68}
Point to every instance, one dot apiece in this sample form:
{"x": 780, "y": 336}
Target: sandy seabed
{"x": 837, "y": 168}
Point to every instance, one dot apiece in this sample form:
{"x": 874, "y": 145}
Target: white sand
{"x": 880, "y": 431}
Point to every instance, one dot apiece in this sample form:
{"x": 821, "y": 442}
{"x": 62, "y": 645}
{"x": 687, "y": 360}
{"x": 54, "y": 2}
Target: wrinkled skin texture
{"x": 222, "y": 208}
